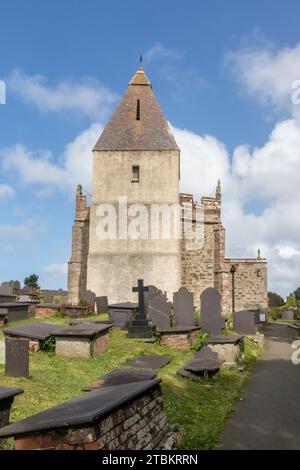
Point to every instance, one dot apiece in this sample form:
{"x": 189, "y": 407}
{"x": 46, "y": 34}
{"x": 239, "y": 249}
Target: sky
{"x": 225, "y": 75}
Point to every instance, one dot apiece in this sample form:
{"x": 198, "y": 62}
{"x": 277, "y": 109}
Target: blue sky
{"x": 218, "y": 69}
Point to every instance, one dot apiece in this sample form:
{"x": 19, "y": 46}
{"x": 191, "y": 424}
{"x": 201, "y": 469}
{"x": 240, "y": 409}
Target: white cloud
{"x": 56, "y": 269}
{"x": 6, "y": 191}
{"x": 86, "y": 96}
{"x": 24, "y": 231}
{"x": 268, "y": 74}
{"x": 39, "y": 168}
{"x": 161, "y": 52}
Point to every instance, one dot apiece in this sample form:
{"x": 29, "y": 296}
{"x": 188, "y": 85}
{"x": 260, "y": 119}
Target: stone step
{"x": 140, "y": 323}
{"x": 134, "y": 329}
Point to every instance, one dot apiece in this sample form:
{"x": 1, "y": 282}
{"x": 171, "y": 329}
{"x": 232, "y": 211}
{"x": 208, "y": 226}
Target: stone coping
{"x": 295, "y": 326}
{"x": 48, "y": 305}
{"x": 35, "y": 330}
{"x": 80, "y": 411}
{"x": 178, "y": 329}
{"x": 124, "y": 305}
{"x": 7, "y": 392}
{"x": 224, "y": 339}
{"x": 81, "y": 330}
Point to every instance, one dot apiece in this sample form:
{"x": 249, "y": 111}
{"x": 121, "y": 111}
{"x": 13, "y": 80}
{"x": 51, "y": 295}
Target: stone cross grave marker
{"x": 140, "y": 326}
{"x": 183, "y": 307}
{"x": 141, "y": 289}
{"x": 16, "y": 357}
{"x": 211, "y": 321}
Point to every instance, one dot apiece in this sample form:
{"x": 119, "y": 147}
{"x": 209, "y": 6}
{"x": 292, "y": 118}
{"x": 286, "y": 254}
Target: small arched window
{"x": 138, "y": 110}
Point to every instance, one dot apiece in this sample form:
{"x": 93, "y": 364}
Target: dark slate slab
{"x": 206, "y": 353}
{"x": 179, "y": 329}
{"x": 89, "y": 322}
{"x": 101, "y": 304}
{"x": 49, "y": 305}
{"x": 85, "y": 330}
{"x": 189, "y": 375}
{"x": 9, "y": 392}
{"x": 224, "y": 340}
{"x": 201, "y": 365}
{"x": 7, "y": 396}
{"x": 245, "y": 322}
{"x": 121, "y": 314}
{"x": 212, "y": 322}
{"x": 153, "y": 362}
{"x": 14, "y": 311}
{"x": 158, "y": 307}
{"x": 35, "y": 330}
{"x": 16, "y": 357}
{"x": 183, "y": 307}
{"x": 80, "y": 411}
{"x": 120, "y": 377}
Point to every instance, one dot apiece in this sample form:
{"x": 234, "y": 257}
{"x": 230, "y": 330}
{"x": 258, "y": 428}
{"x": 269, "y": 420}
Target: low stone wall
{"x": 45, "y": 311}
{"x": 179, "y": 340}
{"x": 140, "y": 423}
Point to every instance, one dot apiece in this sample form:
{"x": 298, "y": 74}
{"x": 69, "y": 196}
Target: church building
{"x": 136, "y": 173}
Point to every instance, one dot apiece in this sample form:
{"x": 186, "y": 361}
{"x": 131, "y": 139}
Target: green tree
{"x": 275, "y": 300}
{"x": 297, "y": 293}
{"x": 32, "y": 281}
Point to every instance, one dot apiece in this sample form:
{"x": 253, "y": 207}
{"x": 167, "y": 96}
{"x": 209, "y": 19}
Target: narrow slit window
{"x": 135, "y": 173}
{"x": 138, "y": 110}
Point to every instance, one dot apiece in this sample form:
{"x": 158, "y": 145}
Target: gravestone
{"x": 89, "y": 297}
{"x": 17, "y": 357}
{"x": 158, "y": 307}
{"x": 140, "y": 326}
{"x": 121, "y": 314}
{"x": 288, "y": 315}
{"x": 245, "y": 322}
{"x": 183, "y": 307}
{"x": 101, "y": 304}
{"x": 211, "y": 321}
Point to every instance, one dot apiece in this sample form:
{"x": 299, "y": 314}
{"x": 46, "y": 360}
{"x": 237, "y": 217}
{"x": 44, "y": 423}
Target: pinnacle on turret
{"x": 218, "y": 191}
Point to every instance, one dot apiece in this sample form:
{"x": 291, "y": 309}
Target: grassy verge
{"x": 199, "y": 410}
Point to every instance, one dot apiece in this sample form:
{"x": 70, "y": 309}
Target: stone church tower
{"x": 136, "y": 162}
{"x": 136, "y": 157}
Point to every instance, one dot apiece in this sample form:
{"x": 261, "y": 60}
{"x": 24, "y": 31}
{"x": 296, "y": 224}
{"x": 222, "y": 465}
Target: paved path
{"x": 269, "y": 415}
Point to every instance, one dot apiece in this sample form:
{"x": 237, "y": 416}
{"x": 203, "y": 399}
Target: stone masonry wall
{"x": 77, "y": 266}
{"x": 250, "y": 283}
{"x": 182, "y": 341}
{"x": 141, "y": 424}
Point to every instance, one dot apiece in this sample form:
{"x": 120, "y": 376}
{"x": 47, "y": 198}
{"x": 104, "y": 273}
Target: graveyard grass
{"x": 199, "y": 409}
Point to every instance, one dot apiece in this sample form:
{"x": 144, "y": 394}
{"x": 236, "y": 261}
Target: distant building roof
{"x": 137, "y": 123}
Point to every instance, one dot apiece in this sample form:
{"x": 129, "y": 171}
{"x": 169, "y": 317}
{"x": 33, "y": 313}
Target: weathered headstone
{"x": 211, "y": 321}
{"x": 16, "y": 357}
{"x": 121, "y": 314}
{"x": 158, "y": 307}
{"x": 89, "y": 297}
{"x": 101, "y": 304}
{"x": 245, "y": 322}
{"x": 183, "y": 307}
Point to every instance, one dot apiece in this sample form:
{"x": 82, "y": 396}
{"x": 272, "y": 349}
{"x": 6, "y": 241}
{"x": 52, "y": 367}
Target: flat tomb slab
{"x": 80, "y": 411}
{"x": 123, "y": 306}
{"x": 201, "y": 365}
{"x": 82, "y": 341}
{"x": 224, "y": 340}
{"x": 35, "y": 330}
{"x": 14, "y": 311}
{"x": 9, "y": 392}
{"x": 153, "y": 362}
{"x": 120, "y": 377}
{"x": 92, "y": 322}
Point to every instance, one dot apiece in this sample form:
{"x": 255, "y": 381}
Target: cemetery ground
{"x": 198, "y": 408}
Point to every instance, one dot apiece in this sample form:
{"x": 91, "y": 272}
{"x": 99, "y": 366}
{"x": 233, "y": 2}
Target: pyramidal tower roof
{"x": 137, "y": 123}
